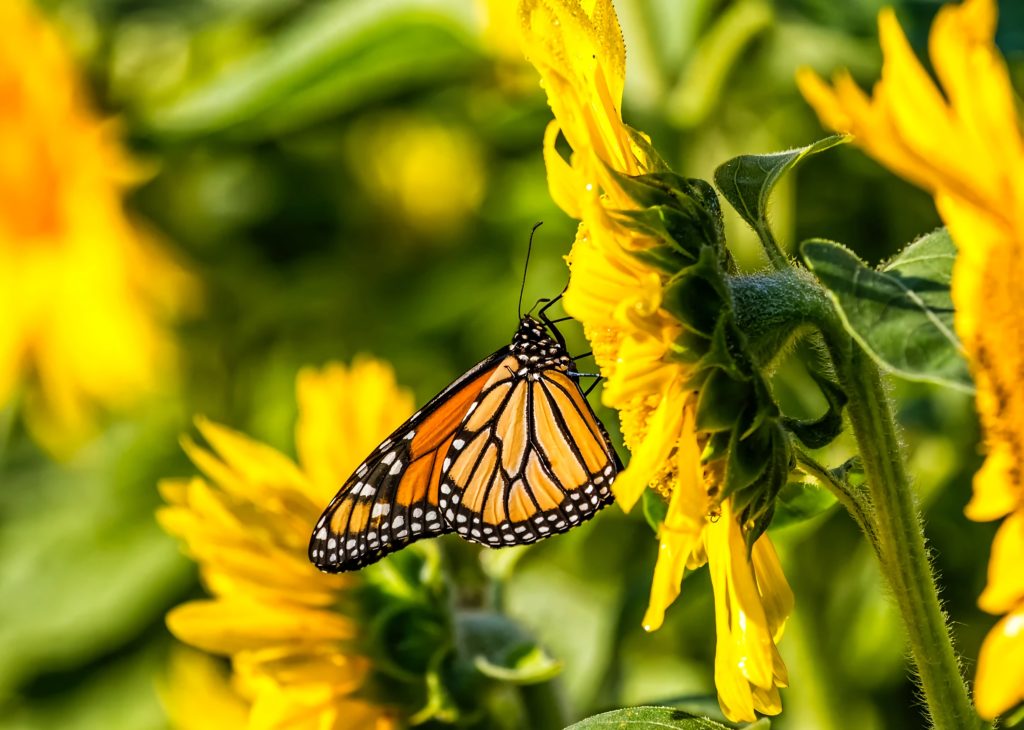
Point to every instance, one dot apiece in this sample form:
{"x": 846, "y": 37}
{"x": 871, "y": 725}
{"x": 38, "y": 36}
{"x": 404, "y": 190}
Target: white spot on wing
{"x": 322, "y": 534}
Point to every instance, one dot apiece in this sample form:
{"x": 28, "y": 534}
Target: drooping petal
{"x": 682, "y": 530}
{"x": 650, "y": 456}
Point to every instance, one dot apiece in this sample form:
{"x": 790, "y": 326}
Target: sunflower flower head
{"x": 961, "y": 141}
{"x": 86, "y": 294}
{"x": 293, "y": 635}
{"x": 376, "y": 649}
{"x": 648, "y": 281}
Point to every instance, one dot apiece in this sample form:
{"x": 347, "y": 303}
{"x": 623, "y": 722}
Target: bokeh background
{"x": 360, "y": 176}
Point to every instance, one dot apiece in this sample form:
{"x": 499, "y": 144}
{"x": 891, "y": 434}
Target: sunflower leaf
{"x": 747, "y": 181}
{"x": 653, "y": 718}
{"x": 655, "y": 508}
{"x": 333, "y": 58}
{"x": 800, "y": 501}
{"x": 902, "y": 313}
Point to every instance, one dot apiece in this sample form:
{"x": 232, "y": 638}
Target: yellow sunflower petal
{"x": 1005, "y": 588}
{"x": 650, "y": 456}
{"x": 198, "y": 695}
{"x": 999, "y": 684}
{"x": 230, "y": 626}
{"x": 997, "y": 489}
{"x": 682, "y": 530}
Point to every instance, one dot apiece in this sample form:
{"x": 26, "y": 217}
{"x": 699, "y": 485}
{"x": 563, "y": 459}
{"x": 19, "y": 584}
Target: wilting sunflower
{"x": 578, "y": 49}
{"x": 962, "y": 142}
{"x": 291, "y": 632}
{"x": 85, "y": 294}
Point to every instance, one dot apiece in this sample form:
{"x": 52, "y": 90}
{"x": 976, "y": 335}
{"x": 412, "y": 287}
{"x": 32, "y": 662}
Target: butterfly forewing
{"x": 392, "y": 498}
{"x": 531, "y": 459}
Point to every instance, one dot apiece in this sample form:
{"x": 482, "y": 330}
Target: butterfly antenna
{"x": 526, "y": 266}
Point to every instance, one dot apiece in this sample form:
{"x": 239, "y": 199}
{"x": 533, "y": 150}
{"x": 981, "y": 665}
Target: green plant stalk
{"x": 901, "y": 542}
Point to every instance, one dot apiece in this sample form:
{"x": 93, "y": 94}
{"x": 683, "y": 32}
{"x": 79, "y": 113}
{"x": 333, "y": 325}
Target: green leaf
{"x": 655, "y": 508}
{"x": 821, "y": 431}
{"x": 336, "y": 57}
{"x": 528, "y": 666}
{"x": 747, "y": 181}
{"x": 502, "y": 650}
{"x": 901, "y": 314}
{"x": 652, "y": 718}
{"x": 800, "y": 501}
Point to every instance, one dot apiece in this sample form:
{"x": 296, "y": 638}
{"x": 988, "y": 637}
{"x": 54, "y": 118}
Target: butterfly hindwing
{"x": 531, "y": 460}
{"x": 392, "y": 498}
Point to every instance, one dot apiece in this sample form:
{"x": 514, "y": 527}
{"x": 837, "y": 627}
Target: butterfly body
{"x": 508, "y": 454}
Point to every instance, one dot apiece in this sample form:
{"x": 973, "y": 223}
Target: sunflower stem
{"x": 901, "y": 542}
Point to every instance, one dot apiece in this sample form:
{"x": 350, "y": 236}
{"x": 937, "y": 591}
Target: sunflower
{"x": 578, "y": 49}
{"x": 86, "y": 294}
{"x": 962, "y": 143}
{"x": 292, "y": 633}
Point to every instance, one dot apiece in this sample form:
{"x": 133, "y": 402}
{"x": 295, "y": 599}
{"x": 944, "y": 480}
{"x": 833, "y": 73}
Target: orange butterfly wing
{"x": 509, "y": 453}
{"x": 391, "y": 499}
{"x": 530, "y": 461}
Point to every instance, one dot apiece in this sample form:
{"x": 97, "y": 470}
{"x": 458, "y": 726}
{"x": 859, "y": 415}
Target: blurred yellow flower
{"x": 498, "y": 21}
{"x": 85, "y": 294}
{"x": 963, "y": 144}
{"x": 197, "y": 693}
{"x": 578, "y": 49}
{"x": 430, "y": 175}
{"x": 290, "y": 631}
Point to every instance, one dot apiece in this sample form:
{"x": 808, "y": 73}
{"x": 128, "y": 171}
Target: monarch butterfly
{"x": 508, "y": 454}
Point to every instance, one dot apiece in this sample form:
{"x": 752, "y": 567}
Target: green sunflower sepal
{"x": 747, "y": 448}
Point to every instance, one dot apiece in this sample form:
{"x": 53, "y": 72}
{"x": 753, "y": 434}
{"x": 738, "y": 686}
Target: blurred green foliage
{"x": 294, "y": 147}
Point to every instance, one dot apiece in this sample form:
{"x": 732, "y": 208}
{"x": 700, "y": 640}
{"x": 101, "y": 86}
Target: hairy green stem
{"x": 901, "y": 542}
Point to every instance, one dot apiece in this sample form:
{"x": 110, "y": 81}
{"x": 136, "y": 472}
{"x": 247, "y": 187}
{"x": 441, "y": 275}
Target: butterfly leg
{"x": 542, "y": 313}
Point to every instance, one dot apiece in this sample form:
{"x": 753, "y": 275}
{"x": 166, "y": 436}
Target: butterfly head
{"x": 536, "y": 349}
